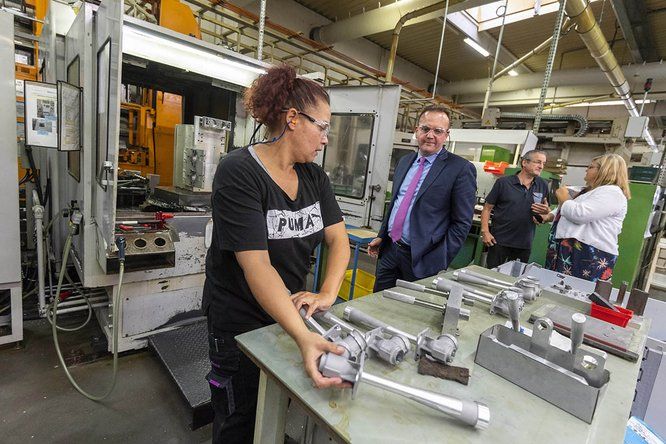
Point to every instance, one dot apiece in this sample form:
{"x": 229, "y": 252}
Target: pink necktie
{"x": 396, "y": 229}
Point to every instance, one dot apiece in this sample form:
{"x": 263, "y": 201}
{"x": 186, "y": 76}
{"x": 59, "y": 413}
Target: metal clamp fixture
{"x": 572, "y": 381}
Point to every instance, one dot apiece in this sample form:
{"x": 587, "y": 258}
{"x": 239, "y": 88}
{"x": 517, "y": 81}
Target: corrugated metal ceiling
{"x": 419, "y": 43}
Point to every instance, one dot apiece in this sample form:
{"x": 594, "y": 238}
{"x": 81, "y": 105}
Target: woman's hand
{"x": 312, "y": 346}
{"x": 314, "y": 302}
{"x": 562, "y": 194}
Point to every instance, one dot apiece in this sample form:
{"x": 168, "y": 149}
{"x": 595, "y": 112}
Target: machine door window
{"x": 347, "y": 154}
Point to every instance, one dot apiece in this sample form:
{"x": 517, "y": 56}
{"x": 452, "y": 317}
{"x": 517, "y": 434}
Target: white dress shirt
{"x": 594, "y": 218}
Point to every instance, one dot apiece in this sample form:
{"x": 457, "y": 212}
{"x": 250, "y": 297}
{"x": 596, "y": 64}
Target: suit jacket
{"x": 442, "y": 212}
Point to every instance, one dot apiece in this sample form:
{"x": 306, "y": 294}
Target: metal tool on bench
{"x": 354, "y": 342}
{"x": 423, "y": 289}
{"x": 469, "y": 412}
{"x": 572, "y": 381}
{"x": 528, "y": 286}
{"x": 498, "y": 302}
{"x": 408, "y": 299}
{"x": 388, "y": 347}
{"x": 441, "y": 348}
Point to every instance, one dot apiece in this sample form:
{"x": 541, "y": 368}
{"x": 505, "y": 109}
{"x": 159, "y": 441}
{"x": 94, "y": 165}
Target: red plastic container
{"x": 620, "y": 318}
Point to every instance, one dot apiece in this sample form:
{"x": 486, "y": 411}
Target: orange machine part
{"x": 178, "y": 17}
{"x": 169, "y": 109}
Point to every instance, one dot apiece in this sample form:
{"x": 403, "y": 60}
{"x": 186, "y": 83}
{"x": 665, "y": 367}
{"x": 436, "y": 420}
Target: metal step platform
{"x": 184, "y": 353}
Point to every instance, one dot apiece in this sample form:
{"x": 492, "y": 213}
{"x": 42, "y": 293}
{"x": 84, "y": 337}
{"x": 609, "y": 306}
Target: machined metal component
{"x": 353, "y": 343}
{"x": 356, "y": 316}
{"x": 501, "y": 302}
{"x": 470, "y": 292}
{"x": 577, "y": 331}
{"x": 423, "y": 289}
{"x": 573, "y": 382}
{"x": 513, "y": 303}
{"x": 408, "y": 299}
{"x": 452, "y": 311}
{"x": 441, "y": 348}
{"x": 469, "y": 412}
{"x": 390, "y": 348}
{"x": 528, "y": 285}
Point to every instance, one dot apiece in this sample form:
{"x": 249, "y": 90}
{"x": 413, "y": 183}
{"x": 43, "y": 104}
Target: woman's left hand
{"x": 314, "y": 301}
{"x": 562, "y": 194}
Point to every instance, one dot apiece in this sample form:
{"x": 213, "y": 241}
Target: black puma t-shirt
{"x": 251, "y": 212}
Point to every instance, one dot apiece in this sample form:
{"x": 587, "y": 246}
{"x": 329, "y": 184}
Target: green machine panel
{"x": 631, "y": 239}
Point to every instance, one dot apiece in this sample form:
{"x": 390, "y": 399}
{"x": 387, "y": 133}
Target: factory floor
{"x": 38, "y": 404}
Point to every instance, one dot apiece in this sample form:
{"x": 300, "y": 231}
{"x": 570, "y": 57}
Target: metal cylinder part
{"x": 469, "y": 412}
{"x": 310, "y": 322}
{"x": 331, "y": 319}
{"x": 358, "y": 317}
{"x": 577, "y": 331}
{"x": 401, "y": 297}
{"x": 444, "y": 284}
{"x": 514, "y": 310}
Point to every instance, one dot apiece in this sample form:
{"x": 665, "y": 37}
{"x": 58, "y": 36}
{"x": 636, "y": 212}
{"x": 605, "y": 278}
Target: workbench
{"x": 517, "y": 416}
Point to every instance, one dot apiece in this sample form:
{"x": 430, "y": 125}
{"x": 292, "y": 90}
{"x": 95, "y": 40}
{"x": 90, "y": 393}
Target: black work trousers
{"x": 395, "y": 263}
{"x": 499, "y": 254}
{"x": 234, "y": 383}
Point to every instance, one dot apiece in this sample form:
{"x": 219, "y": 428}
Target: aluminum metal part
{"x": 577, "y": 331}
{"x": 468, "y": 412}
{"x": 444, "y": 284}
{"x": 452, "y": 311}
{"x": 310, "y": 322}
{"x": 514, "y": 311}
{"x": 572, "y": 382}
{"x": 331, "y": 319}
{"x": 392, "y": 349}
{"x": 358, "y": 317}
{"x": 408, "y": 299}
{"x": 543, "y": 328}
{"x": 500, "y": 303}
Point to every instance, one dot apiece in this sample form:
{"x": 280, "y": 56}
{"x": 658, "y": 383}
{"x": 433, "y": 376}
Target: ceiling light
{"x": 513, "y": 73}
{"x": 477, "y": 47}
{"x": 180, "y": 54}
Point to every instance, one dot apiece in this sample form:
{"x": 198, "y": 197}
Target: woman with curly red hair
{"x": 271, "y": 207}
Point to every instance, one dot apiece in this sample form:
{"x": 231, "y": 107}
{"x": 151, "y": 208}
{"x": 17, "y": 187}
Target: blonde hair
{"x": 612, "y": 170}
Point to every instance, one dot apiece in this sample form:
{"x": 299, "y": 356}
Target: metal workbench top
{"x": 517, "y": 416}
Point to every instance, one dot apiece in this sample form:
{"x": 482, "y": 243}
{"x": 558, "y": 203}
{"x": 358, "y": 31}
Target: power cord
{"x": 74, "y": 222}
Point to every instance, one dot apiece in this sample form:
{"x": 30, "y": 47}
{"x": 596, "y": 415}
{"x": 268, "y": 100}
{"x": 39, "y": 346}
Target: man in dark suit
{"x": 431, "y": 210}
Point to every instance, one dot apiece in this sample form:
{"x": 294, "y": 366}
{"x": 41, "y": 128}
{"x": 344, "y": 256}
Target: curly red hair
{"x": 278, "y": 89}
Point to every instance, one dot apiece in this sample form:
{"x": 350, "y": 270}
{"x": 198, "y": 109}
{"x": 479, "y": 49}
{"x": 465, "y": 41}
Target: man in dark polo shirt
{"x": 514, "y": 201}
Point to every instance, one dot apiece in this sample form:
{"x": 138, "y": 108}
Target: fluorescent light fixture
{"x": 188, "y": 57}
{"x": 477, "y": 47}
{"x": 513, "y": 73}
{"x": 609, "y": 103}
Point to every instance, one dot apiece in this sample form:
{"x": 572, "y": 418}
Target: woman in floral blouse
{"x": 583, "y": 239}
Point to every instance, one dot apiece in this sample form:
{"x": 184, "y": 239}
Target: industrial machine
{"x": 356, "y": 158}
{"x": 11, "y": 313}
{"x": 152, "y": 111}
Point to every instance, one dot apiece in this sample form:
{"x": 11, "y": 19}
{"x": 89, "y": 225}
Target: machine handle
{"x": 410, "y": 285}
{"x": 390, "y": 294}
